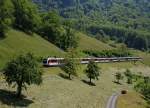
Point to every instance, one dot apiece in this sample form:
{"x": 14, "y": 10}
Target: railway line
{"x": 55, "y": 62}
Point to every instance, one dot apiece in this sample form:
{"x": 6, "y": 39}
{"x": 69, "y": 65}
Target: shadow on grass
{"x": 89, "y": 83}
{"x": 64, "y": 76}
{"x": 117, "y": 82}
{"x": 9, "y": 98}
{"x": 2, "y": 37}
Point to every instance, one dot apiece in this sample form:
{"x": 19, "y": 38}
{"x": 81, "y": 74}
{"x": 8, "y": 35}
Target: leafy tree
{"x": 118, "y": 76}
{"x": 6, "y": 18}
{"x": 71, "y": 63}
{"x": 92, "y": 71}
{"x": 70, "y": 40}
{"x": 24, "y": 70}
{"x": 144, "y": 88}
{"x": 26, "y": 15}
{"x": 50, "y": 25}
{"x": 142, "y": 85}
{"x": 61, "y": 35}
{"x": 129, "y": 76}
{"x": 146, "y": 79}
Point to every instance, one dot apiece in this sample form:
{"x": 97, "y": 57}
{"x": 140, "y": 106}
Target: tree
{"x": 50, "y": 25}
{"x": 24, "y": 70}
{"x": 6, "y": 10}
{"x": 129, "y": 76}
{"x": 61, "y": 35}
{"x": 118, "y": 77}
{"x": 92, "y": 71}
{"x": 51, "y": 28}
{"x": 144, "y": 88}
{"x": 26, "y": 15}
{"x": 70, "y": 40}
{"x": 71, "y": 63}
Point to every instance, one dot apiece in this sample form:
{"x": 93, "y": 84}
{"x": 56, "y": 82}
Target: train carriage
{"x": 51, "y": 61}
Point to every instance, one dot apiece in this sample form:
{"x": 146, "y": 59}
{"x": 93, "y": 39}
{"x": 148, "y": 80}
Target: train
{"x": 54, "y": 62}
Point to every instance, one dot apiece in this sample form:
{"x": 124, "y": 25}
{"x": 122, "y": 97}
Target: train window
{"x": 53, "y": 61}
{"x": 96, "y": 59}
{"x": 85, "y": 59}
{"x": 45, "y": 61}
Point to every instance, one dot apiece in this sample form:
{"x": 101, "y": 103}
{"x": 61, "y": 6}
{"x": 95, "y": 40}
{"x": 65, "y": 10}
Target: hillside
{"x": 89, "y": 43}
{"x": 123, "y": 21}
{"x": 103, "y": 11}
{"x": 94, "y": 28}
{"x": 17, "y": 42}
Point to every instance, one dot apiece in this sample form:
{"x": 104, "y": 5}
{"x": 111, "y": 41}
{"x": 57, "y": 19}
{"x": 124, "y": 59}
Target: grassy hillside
{"x": 58, "y": 92}
{"x": 145, "y": 56}
{"x": 17, "y": 42}
{"x": 131, "y": 100}
{"x": 88, "y": 43}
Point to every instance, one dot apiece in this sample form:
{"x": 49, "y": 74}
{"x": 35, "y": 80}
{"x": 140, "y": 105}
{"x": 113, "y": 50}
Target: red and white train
{"x": 51, "y": 61}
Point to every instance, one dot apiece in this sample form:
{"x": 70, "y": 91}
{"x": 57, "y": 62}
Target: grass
{"x": 88, "y": 43}
{"x": 144, "y": 55}
{"x": 58, "y": 92}
{"x": 131, "y": 100}
{"x": 18, "y": 42}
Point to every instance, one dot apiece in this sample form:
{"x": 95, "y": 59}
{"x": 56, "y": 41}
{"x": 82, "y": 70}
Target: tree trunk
{"x": 70, "y": 76}
{"x": 19, "y": 89}
{"x": 90, "y": 80}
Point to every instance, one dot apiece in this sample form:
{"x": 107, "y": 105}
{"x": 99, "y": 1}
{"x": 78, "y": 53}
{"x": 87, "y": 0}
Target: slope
{"x": 89, "y": 43}
{"x": 17, "y": 42}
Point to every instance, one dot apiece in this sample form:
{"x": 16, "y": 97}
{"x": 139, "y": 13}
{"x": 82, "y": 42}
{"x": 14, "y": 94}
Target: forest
{"x": 25, "y": 16}
{"x": 57, "y": 21}
{"x": 125, "y": 21}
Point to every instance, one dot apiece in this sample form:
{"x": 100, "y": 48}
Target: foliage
{"x": 70, "y": 40}
{"x": 143, "y": 87}
{"x": 142, "y": 83}
{"x": 108, "y": 53}
{"x": 92, "y": 71}
{"x": 110, "y": 16}
{"x": 61, "y": 35}
{"x": 102, "y": 11}
{"x": 26, "y": 15}
{"x": 23, "y": 70}
{"x": 130, "y": 37}
{"x": 71, "y": 63}
{"x": 129, "y": 76}
{"x": 118, "y": 76}
{"x": 6, "y": 18}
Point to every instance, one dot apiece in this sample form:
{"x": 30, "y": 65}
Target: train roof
{"x": 96, "y": 58}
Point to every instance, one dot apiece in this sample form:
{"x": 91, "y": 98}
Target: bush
{"x": 118, "y": 77}
{"x": 108, "y": 53}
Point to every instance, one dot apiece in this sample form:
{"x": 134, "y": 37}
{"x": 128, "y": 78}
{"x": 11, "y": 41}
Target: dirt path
{"x": 112, "y": 101}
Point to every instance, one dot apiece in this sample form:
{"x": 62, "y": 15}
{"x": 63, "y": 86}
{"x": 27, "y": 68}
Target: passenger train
{"x": 52, "y": 61}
